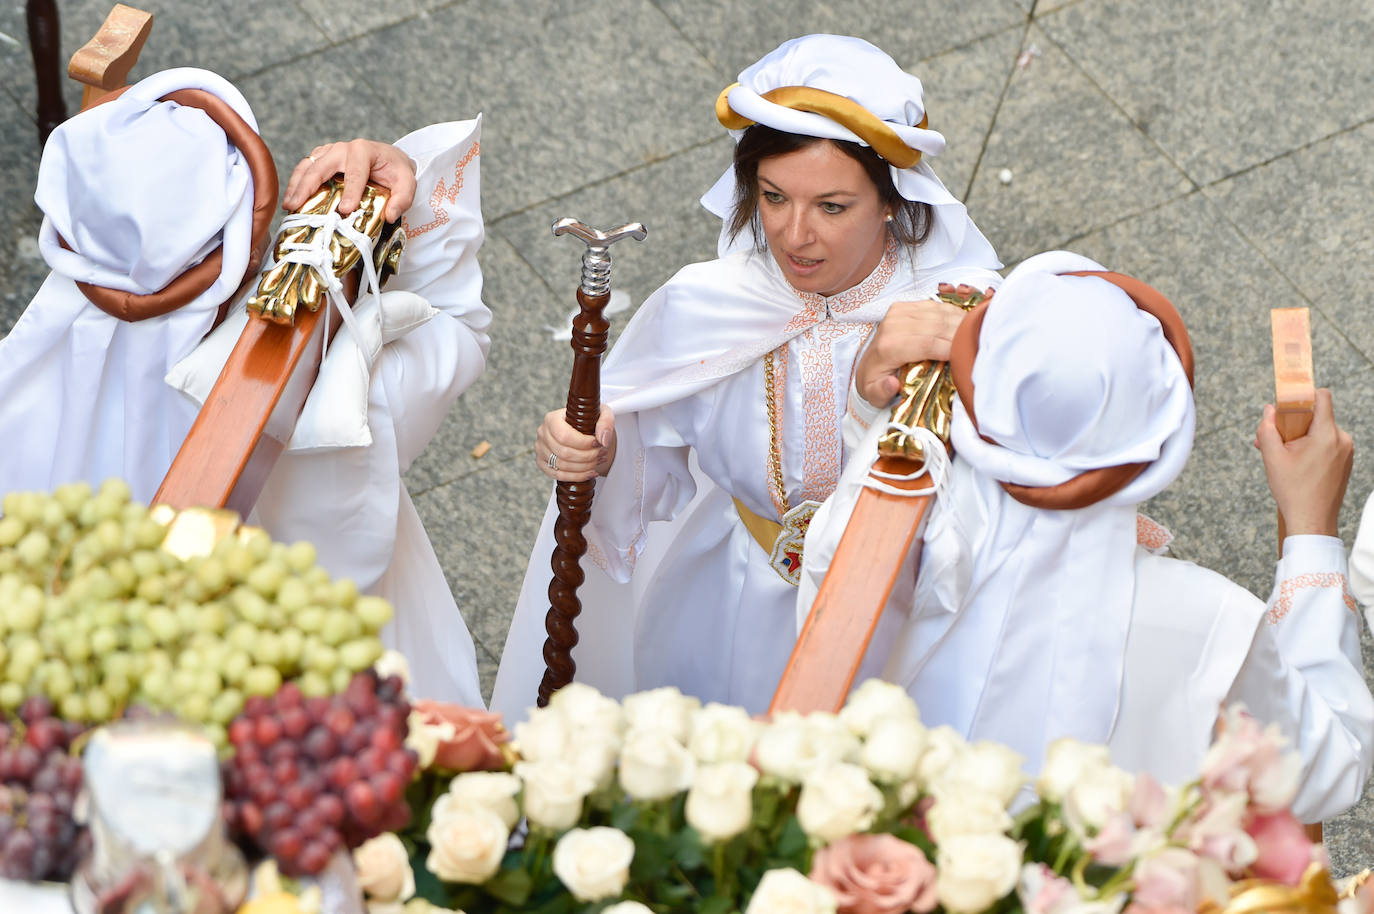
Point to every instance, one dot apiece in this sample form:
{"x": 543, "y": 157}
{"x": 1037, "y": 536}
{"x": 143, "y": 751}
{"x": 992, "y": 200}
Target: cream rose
{"x": 965, "y": 813}
{"x": 985, "y": 767}
{"x": 494, "y": 790}
{"x": 665, "y": 709}
{"x": 383, "y": 868}
{"x": 893, "y": 748}
{"x": 722, "y": 733}
{"x": 793, "y": 745}
{"x": 837, "y": 800}
{"x": 786, "y": 891}
{"x": 554, "y": 791}
{"x": 594, "y": 757}
{"x": 423, "y": 906}
{"x": 1097, "y": 795}
{"x": 944, "y": 746}
{"x": 873, "y": 701}
{"x": 424, "y": 737}
{"x": 720, "y": 803}
{"x": 627, "y": 907}
{"x": 588, "y": 710}
{"x": 654, "y": 766}
{"x": 466, "y": 844}
{"x": 594, "y": 863}
{"x": 545, "y": 734}
{"x": 1066, "y": 761}
{"x": 976, "y": 870}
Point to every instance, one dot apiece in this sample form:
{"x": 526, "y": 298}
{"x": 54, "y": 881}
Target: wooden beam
{"x": 867, "y": 560}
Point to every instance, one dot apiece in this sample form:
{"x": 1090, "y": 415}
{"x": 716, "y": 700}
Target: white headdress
{"x": 1080, "y": 407}
{"x": 141, "y": 190}
{"x": 843, "y": 88}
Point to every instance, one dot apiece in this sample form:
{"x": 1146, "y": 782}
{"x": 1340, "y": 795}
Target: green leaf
{"x": 687, "y": 849}
{"x": 792, "y": 841}
{"x": 716, "y": 904}
{"x": 511, "y": 886}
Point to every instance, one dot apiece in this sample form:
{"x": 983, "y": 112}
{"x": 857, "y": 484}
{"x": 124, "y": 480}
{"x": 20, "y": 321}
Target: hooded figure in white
{"x": 696, "y": 602}
{"x": 1040, "y": 612}
{"x": 139, "y": 190}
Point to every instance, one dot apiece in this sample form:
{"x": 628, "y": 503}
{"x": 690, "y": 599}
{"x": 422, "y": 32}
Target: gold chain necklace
{"x": 774, "y": 448}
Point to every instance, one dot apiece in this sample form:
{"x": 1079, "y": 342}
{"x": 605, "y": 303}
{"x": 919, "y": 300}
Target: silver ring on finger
{"x": 312, "y": 158}
{"x": 553, "y": 461}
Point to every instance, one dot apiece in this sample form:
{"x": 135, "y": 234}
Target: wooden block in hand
{"x": 1294, "y": 387}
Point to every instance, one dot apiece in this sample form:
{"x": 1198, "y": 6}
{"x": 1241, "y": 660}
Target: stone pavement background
{"x": 1219, "y": 151}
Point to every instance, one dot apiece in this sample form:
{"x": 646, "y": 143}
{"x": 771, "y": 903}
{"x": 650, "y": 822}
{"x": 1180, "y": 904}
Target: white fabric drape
{"x": 86, "y": 394}
{"x": 694, "y": 602}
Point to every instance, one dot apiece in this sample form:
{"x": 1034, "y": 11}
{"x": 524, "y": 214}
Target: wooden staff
{"x": 589, "y": 332}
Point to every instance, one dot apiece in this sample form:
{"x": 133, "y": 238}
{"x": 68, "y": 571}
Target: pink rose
{"x": 1113, "y": 843}
{"x": 1149, "y": 802}
{"x": 876, "y": 874}
{"x": 1284, "y": 851}
{"x": 477, "y": 740}
{"x": 1253, "y": 759}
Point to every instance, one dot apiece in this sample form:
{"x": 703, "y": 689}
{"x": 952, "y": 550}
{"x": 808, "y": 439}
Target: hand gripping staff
{"x": 589, "y": 330}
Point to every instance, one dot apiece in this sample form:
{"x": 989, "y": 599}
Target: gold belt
{"x": 782, "y": 542}
{"x": 764, "y": 531}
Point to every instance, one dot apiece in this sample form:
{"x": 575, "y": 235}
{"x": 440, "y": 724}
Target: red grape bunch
{"x": 39, "y": 783}
{"x": 312, "y": 775}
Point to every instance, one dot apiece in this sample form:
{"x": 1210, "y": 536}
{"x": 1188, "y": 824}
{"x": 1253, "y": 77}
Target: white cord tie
{"x": 316, "y": 255}
{"x": 936, "y": 463}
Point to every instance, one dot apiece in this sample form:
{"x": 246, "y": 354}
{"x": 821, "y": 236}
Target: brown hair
{"x": 911, "y": 220}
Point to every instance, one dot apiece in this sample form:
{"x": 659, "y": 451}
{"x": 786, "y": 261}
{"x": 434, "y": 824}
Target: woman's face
{"x": 822, "y": 218}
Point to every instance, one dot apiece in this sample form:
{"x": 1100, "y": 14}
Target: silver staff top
{"x": 596, "y": 260}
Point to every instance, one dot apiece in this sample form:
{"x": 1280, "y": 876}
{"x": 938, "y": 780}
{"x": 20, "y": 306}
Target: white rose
{"x": 720, "y": 803}
{"x": 893, "y": 748}
{"x": 588, "y": 710}
{"x": 654, "y": 766}
{"x": 424, "y": 738}
{"x": 793, "y": 745}
{"x": 943, "y": 746}
{"x": 874, "y": 700}
{"x": 594, "y": 757}
{"x": 627, "y": 907}
{"x": 1066, "y": 761}
{"x": 1097, "y": 795}
{"x": 984, "y": 767}
{"x": 974, "y": 871}
{"x": 594, "y": 863}
{"x": 665, "y": 709}
{"x": 494, "y": 790}
{"x": 545, "y": 734}
{"x": 836, "y": 801}
{"x": 966, "y": 813}
{"x": 423, "y": 906}
{"x": 466, "y": 844}
{"x": 722, "y": 733}
{"x": 554, "y": 791}
{"x": 383, "y": 868}
{"x": 786, "y": 891}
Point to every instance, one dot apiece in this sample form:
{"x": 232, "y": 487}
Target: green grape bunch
{"x": 96, "y": 616}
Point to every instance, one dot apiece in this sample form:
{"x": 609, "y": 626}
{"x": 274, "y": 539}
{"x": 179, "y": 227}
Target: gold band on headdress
{"x": 844, "y": 111}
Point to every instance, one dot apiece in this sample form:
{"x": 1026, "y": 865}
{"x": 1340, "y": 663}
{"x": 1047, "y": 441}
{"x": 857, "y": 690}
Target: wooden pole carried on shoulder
{"x": 589, "y": 333}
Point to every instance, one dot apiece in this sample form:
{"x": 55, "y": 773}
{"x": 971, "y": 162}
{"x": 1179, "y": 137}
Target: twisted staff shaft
{"x": 589, "y": 334}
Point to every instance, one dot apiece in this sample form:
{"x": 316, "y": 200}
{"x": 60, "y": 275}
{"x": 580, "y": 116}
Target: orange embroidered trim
{"x": 444, "y": 194}
{"x": 1151, "y": 534}
{"x": 817, "y": 307}
{"x": 1284, "y": 603}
